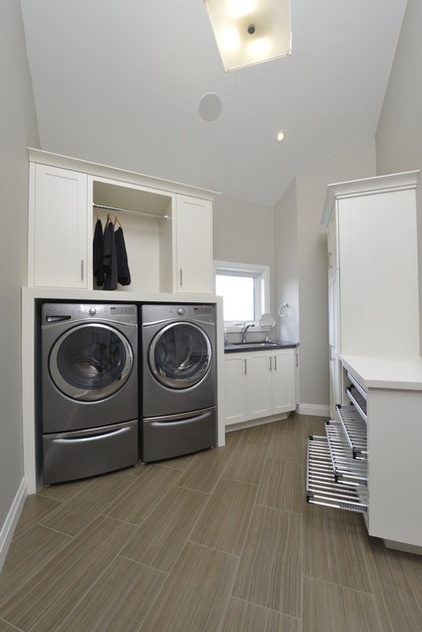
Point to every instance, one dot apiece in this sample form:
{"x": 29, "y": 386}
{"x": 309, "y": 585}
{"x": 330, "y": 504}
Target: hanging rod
{"x": 115, "y": 209}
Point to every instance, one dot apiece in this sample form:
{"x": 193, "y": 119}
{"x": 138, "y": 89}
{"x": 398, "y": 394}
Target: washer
{"x": 89, "y": 389}
{"x": 178, "y": 379}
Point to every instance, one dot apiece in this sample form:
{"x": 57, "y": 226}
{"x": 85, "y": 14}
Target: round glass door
{"x": 90, "y": 362}
{"x": 180, "y": 355}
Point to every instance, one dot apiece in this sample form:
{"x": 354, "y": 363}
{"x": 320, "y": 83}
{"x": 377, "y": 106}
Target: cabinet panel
{"x": 379, "y": 274}
{"x": 58, "y": 228}
{"x": 332, "y": 250}
{"x": 193, "y": 245}
{"x": 283, "y": 381}
{"x": 334, "y": 366}
{"x": 259, "y": 382}
{"x": 236, "y": 389}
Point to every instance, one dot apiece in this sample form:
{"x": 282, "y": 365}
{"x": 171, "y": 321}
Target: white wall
{"x": 399, "y": 134}
{"x": 243, "y": 233}
{"x": 18, "y": 129}
{"x": 286, "y": 264}
{"x": 301, "y": 255}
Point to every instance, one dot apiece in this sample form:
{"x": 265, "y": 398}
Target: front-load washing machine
{"x": 89, "y": 389}
{"x": 178, "y": 379}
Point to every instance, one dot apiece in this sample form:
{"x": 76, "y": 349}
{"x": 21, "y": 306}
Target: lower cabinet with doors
{"x": 259, "y": 384}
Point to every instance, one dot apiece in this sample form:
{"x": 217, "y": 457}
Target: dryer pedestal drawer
{"x": 73, "y": 455}
{"x": 172, "y": 436}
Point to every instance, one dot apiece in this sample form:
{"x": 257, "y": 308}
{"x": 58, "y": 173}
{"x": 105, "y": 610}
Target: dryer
{"x": 89, "y": 389}
{"x": 178, "y": 379}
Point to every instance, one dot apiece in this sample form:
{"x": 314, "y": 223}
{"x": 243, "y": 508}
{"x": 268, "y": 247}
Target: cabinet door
{"x": 235, "y": 389}
{"x": 193, "y": 245}
{"x": 283, "y": 381}
{"x": 259, "y": 385}
{"x": 332, "y": 250}
{"x": 58, "y": 228}
{"x": 334, "y": 367}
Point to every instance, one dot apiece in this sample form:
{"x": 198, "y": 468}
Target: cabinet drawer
{"x": 357, "y": 395}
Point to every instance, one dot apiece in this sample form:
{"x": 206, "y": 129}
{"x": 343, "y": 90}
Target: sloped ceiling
{"x": 119, "y": 82}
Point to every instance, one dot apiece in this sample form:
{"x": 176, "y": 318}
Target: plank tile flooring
{"x": 221, "y": 541}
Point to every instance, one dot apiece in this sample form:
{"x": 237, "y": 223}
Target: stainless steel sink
{"x": 253, "y": 345}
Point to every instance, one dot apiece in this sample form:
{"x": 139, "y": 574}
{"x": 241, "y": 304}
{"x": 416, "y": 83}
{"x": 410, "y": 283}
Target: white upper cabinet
{"x": 167, "y": 226}
{"x": 372, "y": 246}
{"x": 58, "y": 228}
{"x": 193, "y": 245}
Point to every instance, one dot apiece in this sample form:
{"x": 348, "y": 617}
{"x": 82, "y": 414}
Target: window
{"x": 245, "y": 291}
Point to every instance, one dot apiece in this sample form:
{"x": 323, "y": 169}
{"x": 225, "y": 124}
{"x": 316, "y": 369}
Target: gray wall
{"x": 18, "y": 129}
{"x": 399, "y": 133}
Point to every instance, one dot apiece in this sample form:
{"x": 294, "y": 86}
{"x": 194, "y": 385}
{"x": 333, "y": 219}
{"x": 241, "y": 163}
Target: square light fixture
{"x": 250, "y": 31}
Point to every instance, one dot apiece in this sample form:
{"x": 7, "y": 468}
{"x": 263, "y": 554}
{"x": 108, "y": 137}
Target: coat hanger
{"x": 117, "y": 221}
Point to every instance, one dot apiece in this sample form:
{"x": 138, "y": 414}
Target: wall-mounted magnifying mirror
{"x": 267, "y": 322}
{"x": 282, "y": 310}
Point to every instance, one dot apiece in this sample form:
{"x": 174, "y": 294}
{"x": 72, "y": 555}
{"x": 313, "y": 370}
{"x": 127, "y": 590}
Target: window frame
{"x": 261, "y": 274}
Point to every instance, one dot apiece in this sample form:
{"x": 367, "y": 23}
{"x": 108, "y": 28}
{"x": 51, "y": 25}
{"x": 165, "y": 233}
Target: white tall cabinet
{"x": 167, "y": 226}
{"x": 372, "y": 270}
{"x": 375, "y": 366}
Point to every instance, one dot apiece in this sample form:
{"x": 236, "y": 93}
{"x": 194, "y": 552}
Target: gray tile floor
{"x": 221, "y": 541}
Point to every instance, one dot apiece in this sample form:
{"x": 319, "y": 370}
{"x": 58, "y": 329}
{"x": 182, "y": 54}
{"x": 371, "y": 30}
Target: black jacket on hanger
{"x": 109, "y": 258}
{"x": 97, "y": 257}
{"x": 123, "y": 272}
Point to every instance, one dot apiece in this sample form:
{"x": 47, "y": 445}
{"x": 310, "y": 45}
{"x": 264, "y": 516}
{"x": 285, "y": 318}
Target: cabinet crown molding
{"x": 113, "y": 173}
{"x": 366, "y": 186}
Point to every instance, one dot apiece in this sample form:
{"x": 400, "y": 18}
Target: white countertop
{"x": 395, "y": 372}
{"x": 105, "y": 296}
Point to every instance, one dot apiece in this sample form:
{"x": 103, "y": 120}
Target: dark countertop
{"x": 258, "y": 346}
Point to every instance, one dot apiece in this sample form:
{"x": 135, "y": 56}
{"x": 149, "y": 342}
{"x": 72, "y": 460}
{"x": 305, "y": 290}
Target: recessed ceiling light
{"x": 280, "y": 136}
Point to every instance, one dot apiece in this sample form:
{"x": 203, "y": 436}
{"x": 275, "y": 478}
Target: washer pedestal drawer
{"x": 72, "y": 455}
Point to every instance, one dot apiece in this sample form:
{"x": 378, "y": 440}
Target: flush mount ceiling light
{"x": 250, "y": 31}
{"x": 280, "y": 136}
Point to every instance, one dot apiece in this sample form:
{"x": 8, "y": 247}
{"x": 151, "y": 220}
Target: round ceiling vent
{"x": 210, "y": 106}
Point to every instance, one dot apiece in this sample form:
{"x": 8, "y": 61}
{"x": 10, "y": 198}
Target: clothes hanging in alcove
{"x": 110, "y": 261}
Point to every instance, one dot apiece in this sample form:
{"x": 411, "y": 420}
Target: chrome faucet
{"x": 246, "y": 326}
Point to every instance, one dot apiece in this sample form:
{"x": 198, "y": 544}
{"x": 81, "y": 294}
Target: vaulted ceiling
{"x": 120, "y": 82}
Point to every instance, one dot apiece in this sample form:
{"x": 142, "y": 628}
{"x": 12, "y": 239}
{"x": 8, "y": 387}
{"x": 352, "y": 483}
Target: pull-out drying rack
{"x": 337, "y": 463}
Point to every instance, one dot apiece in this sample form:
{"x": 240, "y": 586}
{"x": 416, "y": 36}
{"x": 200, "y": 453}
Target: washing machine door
{"x": 90, "y": 362}
{"x": 179, "y": 355}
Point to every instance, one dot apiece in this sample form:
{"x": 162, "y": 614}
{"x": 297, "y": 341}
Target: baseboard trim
{"x": 9, "y": 526}
{"x": 316, "y": 410}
